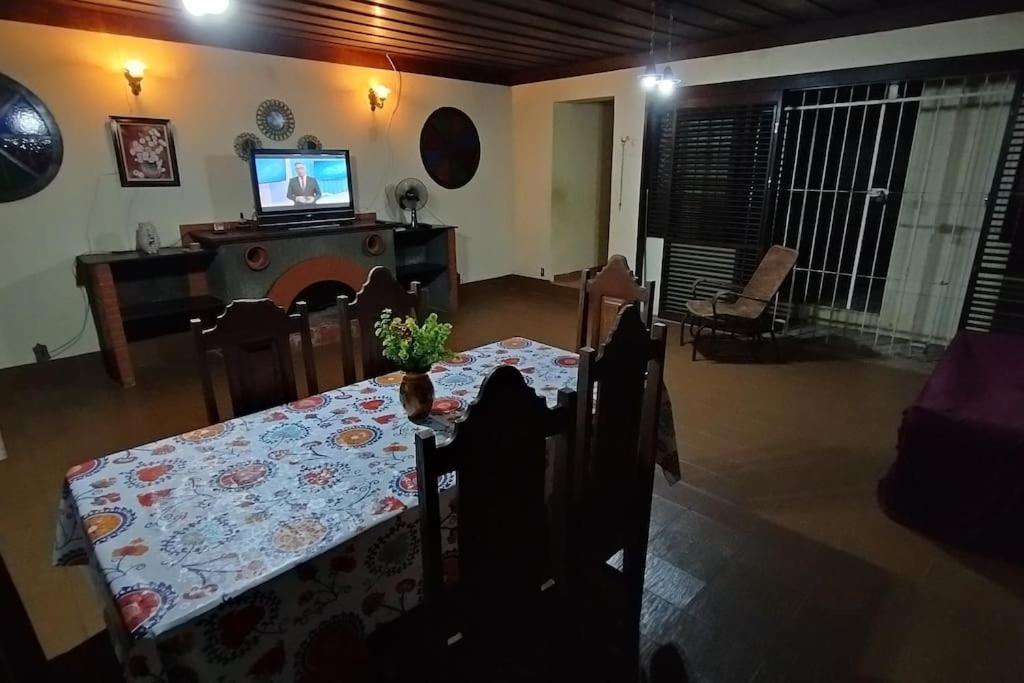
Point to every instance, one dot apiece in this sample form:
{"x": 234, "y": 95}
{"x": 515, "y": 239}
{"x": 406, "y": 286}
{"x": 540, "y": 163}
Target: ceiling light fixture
{"x": 664, "y": 82}
{"x": 669, "y": 81}
{"x": 201, "y": 8}
{"x": 650, "y": 77}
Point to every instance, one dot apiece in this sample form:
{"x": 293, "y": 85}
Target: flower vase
{"x": 417, "y": 394}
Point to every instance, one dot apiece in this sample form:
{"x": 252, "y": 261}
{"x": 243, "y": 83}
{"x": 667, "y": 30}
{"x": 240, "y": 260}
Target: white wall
{"x": 532, "y": 112}
{"x": 580, "y": 181}
{"x": 211, "y": 95}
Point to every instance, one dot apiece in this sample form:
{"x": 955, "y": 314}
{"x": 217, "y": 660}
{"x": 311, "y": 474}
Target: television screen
{"x": 301, "y": 180}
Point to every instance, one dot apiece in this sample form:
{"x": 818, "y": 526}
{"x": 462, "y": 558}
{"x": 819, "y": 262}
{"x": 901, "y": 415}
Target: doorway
{"x": 581, "y": 179}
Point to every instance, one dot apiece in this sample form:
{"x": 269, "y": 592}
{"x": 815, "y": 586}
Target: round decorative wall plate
{"x": 309, "y": 142}
{"x": 275, "y": 119}
{"x": 245, "y": 143}
{"x": 31, "y": 149}
{"x": 450, "y": 147}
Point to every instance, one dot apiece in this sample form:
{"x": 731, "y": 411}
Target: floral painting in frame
{"x": 145, "y": 152}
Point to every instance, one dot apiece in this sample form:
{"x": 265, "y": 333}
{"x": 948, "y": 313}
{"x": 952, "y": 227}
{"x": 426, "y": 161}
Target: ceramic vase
{"x": 417, "y": 394}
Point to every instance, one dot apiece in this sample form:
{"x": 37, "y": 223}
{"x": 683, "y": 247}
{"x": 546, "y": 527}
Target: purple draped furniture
{"x": 959, "y": 472}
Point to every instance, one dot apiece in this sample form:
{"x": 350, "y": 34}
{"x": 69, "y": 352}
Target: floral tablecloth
{"x": 248, "y": 549}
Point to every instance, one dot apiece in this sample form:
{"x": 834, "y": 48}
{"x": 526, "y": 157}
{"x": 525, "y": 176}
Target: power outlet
{"x": 42, "y": 353}
{"x": 542, "y": 272}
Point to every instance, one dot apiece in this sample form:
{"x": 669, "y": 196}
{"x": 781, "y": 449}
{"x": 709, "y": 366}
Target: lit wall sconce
{"x": 378, "y": 95}
{"x": 133, "y": 72}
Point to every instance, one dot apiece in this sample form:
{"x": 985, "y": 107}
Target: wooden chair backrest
{"x": 619, "y": 396}
{"x": 254, "y": 336}
{"x": 21, "y": 656}
{"x": 381, "y": 290}
{"x": 602, "y": 293}
{"x": 498, "y": 457}
{"x": 772, "y": 271}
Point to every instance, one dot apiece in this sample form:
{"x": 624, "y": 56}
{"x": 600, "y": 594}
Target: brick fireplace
{"x": 316, "y": 265}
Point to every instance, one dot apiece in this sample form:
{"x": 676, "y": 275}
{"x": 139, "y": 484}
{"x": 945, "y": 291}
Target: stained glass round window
{"x": 450, "y": 147}
{"x": 31, "y": 150}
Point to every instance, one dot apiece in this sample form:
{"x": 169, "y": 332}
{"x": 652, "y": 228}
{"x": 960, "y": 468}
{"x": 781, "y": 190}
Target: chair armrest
{"x": 741, "y": 295}
{"x": 721, "y": 296}
{"x": 732, "y": 286}
{"x": 730, "y": 297}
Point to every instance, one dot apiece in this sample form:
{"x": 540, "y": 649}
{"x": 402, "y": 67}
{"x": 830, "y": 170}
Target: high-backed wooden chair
{"x": 381, "y": 290}
{"x": 254, "y": 337}
{"x": 21, "y": 656}
{"x": 498, "y": 603}
{"x": 619, "y": 390}
{"x": 602, "y": 293}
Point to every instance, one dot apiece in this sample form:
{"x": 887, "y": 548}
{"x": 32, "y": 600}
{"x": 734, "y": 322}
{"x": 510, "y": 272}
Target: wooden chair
{"x": 21, "y": 656}
{"x": 381, "y": 290}
{"x": 254, "y": 336}
{"x": 602, "y": 293}
{"x": 739, "y": 309}
{"x": 498, "y": 603}
{"x": 619, "y": 390}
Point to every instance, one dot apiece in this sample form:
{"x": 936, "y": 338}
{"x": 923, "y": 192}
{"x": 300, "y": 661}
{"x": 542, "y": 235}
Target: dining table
{"x": 249, "y": 549}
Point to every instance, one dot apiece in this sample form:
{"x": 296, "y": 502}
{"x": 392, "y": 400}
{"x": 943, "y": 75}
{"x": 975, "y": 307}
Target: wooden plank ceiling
{"x": 498, "y": 41}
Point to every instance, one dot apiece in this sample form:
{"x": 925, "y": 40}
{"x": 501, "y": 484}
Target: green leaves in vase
{"x": 412, "y": 346}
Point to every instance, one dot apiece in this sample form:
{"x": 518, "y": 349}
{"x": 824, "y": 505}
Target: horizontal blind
{"x": 708, "y": 196}
{"x": 995, "y": 297}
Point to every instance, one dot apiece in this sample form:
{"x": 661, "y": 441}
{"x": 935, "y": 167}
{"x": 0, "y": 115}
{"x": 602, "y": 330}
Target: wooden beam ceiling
{"x": 498, "y": 41}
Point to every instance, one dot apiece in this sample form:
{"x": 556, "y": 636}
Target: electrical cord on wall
{"x": 66, "y": 346}
{"x": 435, "y": 216}
{"x": 382, "y": 191}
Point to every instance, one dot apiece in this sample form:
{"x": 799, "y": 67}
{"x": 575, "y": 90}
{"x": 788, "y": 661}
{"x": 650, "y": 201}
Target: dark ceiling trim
{"x": 763, "y": 90}
{"x": 105, "y": 21}
{"x": 473, "y": 60}
{"x": 887, "y": 19}
{"x": 401, "y": 21}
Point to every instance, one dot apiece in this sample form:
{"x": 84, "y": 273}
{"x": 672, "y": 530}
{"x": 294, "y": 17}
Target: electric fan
{"x": 411, "y": 195}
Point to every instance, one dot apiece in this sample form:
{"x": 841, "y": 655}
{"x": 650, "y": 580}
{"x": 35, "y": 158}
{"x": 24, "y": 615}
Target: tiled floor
{"x": 770, "y": 562}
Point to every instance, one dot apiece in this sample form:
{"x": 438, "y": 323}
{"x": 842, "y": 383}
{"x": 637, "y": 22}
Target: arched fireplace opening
{"x": 322, "y": 295}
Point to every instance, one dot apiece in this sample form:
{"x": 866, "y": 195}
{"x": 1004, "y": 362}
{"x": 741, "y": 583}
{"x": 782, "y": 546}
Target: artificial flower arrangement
{"x": 414, "y": 348}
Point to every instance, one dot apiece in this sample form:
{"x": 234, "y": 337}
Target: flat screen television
{"x": 293, "y": 187}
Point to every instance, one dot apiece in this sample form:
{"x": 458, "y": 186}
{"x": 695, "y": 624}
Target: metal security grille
{"x": 881, "y": 188}
{"x": 842, "y": 165}
{"x": 995, "y": 300}
{"x": 708, "y": 195}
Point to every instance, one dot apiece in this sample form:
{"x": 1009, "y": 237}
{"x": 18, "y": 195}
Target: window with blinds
{"x": 708, "y": 196}
{"x": 995, "y": 296}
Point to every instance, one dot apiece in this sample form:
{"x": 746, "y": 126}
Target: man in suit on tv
{"x": 303, "y": 189}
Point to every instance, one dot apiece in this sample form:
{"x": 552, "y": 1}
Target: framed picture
{"x": 145, "y": 152}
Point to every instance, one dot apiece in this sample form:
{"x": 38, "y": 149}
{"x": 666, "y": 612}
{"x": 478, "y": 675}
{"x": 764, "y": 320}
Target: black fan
{"x": 411, "y": 195}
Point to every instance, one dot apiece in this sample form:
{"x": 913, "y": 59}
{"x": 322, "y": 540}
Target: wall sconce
{"x": 133, "y": 72}
{"x": 378, "y": 95}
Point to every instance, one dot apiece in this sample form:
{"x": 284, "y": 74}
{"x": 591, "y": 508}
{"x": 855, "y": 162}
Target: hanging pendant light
{"x": 650, "y": 77}
{"x": 664, "y": 81}
{"x": 668, "y": 81}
